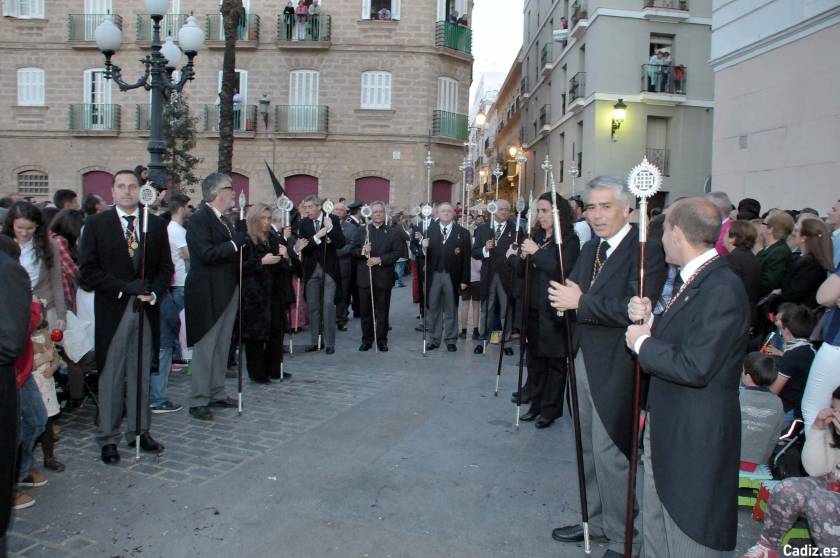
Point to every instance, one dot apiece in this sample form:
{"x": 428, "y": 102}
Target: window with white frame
{"x": 30, "y": 87}
{"x": 376, "y": 90}
{"x": 447, "y": 94}
{"x": 381, "y": 10}
{"x": 24, "y": 9}
{"x": 33, "y": 183}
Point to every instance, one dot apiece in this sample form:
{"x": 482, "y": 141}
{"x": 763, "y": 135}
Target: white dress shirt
{"x": 219, "y": 217}
{"x": 495, "y": 230}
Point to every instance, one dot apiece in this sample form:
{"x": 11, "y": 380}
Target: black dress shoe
{"x": 525, "y": 399}
{"x": 261, "y": 380}
{"x": 311, "y": 349}
{"x": 431, "y": 347}
{"x": 365, "y": 346}
{"x": 110, "y": 455}
{"x": 286, "y": 375}
{"x": 463, "y": 334}
{"x": 201, "y": 413}
{"x": 383, "y": 347}
{"x": 479, "y": 349}
{"x": 420, "y": 328}
{"x": 226, "y": 402}
{"x": 330, "y": 350}
{"x": 529, "y": 416}
{"x": 568, "y": 533}
{"x": 543, "y": 422}
{"x": 508, "y": 351}
{"x": 147, "y": 443}
{"x": 451, "y": 347}
{"x": 342, "y": 328}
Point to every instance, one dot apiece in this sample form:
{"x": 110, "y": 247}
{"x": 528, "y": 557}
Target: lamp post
{"x": 619, "y": 112}
{"x": 157, "y": 77}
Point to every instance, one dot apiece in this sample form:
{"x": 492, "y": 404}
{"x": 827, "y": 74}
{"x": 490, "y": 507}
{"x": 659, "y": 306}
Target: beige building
{"x": 580, "y": 58}
{"x": 776, "y": 80}
{"x": 354, "y": 94}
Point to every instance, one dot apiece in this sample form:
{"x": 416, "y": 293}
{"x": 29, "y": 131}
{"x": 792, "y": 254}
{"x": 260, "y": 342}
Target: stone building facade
{"x": 353, "y": 96}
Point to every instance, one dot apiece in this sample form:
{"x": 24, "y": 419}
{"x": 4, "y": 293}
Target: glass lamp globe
{"x": 108, "y": 36}
{"x": 171, "y": 52}
{"x": 157, "y": 7}
{"x": 191, "y": 36}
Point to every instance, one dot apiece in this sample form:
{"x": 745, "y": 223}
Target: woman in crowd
{"x": 40, "y": 257}
{"x": 775, "y": 258}
{"x": 815, "y": 497}
{"x": 545, "y": 330}
{"x": 809, "y": 270}
{"x": 266, "y": 291}
{"x": 743, "y": 262}
{"x": 65, "y": 231}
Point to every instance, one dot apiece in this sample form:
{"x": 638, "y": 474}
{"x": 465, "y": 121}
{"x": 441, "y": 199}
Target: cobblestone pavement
{"x": 360, "y": 454}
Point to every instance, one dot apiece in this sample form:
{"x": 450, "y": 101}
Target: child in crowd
{"x": 797, "y": 323}
{"x": 45, "y": 364}
{"x": 762, "y": 414}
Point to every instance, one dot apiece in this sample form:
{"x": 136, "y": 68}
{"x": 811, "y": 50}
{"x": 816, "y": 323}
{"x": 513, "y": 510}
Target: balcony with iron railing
{"x": 546, "y": 58}
{"x": 524, "y": 88}
{"x": 294, "y": 32}
{"x": 667, "y": 9}
{"x": 247, "y": 31}
{"x": 453, "y": 36}
{"x": 244, "y": 118}
{"x": 665, "y": 80}
{"x": 451, "y": 125}
{"x": 580, "y": 18}
{"x": 544, "y": 120}
{"x": 94, "y": 117}
{"x": 577, "y": 90}
{"x": 82, "y": 27}
{"x": 661, "y": 158}
{"x": 302, "y": 119}
{"x": 142, "y": 117}
{"x": 169, "y": 26}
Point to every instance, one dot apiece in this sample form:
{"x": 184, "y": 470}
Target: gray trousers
{"x": 120, "y": 372}
{"x": 496, "y": 296}
{"x": 210, "y": 358}
{"x": 443, "y": 309}
{"x": 313, "y": 301}
{"x": 606, "y": 470}
{"x": 662, "y": 536}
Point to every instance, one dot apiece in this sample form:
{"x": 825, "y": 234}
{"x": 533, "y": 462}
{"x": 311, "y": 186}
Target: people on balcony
{"x": 289, "y": 19}
{"x": 302, "y": 13}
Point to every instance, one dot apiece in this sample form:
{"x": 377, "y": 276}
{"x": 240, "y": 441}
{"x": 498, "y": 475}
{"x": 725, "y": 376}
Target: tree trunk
{"x": 232, "y": 13}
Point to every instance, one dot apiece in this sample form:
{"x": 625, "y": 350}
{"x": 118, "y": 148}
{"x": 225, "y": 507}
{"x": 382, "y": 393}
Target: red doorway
{"x": 441, "y": 191}
{"x": 298, "y": 186}
{"x": 99, "y": 183}
{"x": 373, "y": 188}
{"x": 241, "y": 183}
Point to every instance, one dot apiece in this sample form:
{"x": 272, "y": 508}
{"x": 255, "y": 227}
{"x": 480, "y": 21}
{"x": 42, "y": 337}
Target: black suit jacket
{"x": 694, "y": 358}
{"x": 546, "y": 330}
{"x": 313, "y": 254}
{"x": 455, "y": 254}
{"x": 602, "y": 321}
{"x": 105, "y": 265}
{"x": 214, "y": 271}
{"x": 746, "y": 266}
{"x": 386, "y": 244}
{"x": 496, "y": 263}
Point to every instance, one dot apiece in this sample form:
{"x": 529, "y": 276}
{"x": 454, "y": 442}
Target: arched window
{"x": 30, "y": 87}
{"x": 33, "y": 183}
{"x": 376, "y": 90}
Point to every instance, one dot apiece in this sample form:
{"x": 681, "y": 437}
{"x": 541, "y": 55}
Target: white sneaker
{"x": 760, "y": 550}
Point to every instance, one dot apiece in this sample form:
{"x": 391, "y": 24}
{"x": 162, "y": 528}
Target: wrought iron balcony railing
{"x": 244, "y": 118}
{"x": 248, "y": 28}
{"x": 658, "y": 78}
{"x": 291, "y": 28}
{"x": 661, "y": 158}
{"x": 450, "y": 125}
{"x": 81, "y": 27}
{"x": 577, "y": 86}
{"x": 454, "y": 36}
{"x": 301, "y": 119}
{"x": 94, "y": 116}
{"x": 169, "y": 26}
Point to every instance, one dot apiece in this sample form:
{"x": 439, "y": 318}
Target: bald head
{"x": 698, "y": 219}
{"x": 502, "y": 211}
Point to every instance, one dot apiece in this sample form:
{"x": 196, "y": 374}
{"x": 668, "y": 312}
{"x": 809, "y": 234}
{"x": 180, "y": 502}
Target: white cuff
{"x": 316, "y": 240}
{"x": 637, "y": 346}
{"x": 485, "y": 252}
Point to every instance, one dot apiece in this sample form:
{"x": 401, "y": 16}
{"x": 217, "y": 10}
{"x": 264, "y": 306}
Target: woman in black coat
{"x": 266, "y": 292}
{"x": 545, "y": 331}
{"x": 809, "y": 270}
{"x": 740, "y": 241}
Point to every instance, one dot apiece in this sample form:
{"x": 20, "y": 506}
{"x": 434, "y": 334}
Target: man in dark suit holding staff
{"x": 693, "y": 352}
{"x": 211, "y": 294}
{"x": 599, "y": 288}
{"x": 110, "y": 262}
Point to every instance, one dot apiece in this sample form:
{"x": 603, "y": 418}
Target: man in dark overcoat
{"x": 211, "y": 293}
{"x": 110, "y": 263}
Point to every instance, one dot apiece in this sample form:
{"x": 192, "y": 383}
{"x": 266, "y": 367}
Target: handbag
{"x": 78, "y": 337}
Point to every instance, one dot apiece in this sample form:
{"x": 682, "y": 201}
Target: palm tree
{"x": 232, "y": 13}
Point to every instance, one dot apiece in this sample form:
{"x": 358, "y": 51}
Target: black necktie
{"x": 131, "y": 238}
{"x": 498, "y": 232}
{"x": 678, "y": 283}
{"x": 129, "y": 226}
{"x": 445, "y": 234}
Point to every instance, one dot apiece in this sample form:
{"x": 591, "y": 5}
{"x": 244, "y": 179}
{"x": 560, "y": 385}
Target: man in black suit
{"x": 211, "y": 294}
{"x": 693, "y": 352}
{"x": 349, "y": 225}
{"x": 110, "y": 262}
{"x": 419, "y": 231}
{"x": 448, "y": 256}
{"x": 599, "y": 288}
{"x": 490, "y": 245}
{"x": 377, "y": 247}
{"x": 15, "y": 307}
{"x": 320, "y": 264}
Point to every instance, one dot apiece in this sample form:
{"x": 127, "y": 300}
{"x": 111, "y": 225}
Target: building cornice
{"x": 766, "y": 44}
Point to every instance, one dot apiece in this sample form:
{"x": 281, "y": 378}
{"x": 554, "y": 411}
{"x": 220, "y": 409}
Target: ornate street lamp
{"x": 157, "y": 77}
{"x": 619, "y": 112}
